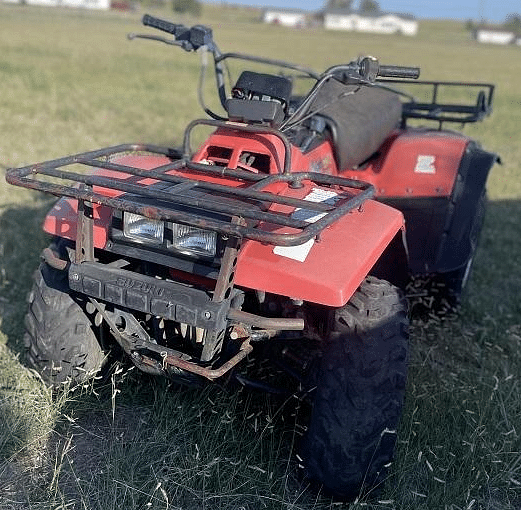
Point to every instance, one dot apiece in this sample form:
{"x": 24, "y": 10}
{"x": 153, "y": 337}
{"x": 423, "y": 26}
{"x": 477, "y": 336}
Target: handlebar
{"x": 364, "y": 70}
{"x": 369, "y": 69}
{"x": 412, "y": 73}
{"x": 190, "y": 39}
{"x": 197, "y": 36}
{"x": 163, "y": 25}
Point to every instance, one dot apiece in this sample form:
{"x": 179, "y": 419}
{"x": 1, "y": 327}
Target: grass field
{"x": 70, "y": 81}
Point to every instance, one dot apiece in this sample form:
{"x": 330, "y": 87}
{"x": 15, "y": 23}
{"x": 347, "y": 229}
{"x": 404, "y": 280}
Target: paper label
{"x": 316, "y": 195}
{"x": 300, "y": 252}
{"x": 425, "y": 165}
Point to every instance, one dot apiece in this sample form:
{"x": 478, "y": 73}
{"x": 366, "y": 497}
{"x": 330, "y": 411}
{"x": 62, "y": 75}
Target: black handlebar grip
{"x": 412, "y": 73}
{"x": 160, "y": 24}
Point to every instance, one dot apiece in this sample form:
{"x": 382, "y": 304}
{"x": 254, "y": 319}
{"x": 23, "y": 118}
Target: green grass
{"x": 70, "y": 81}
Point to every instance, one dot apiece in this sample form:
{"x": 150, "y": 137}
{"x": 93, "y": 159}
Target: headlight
{"x": 143, "y": 229}
{"x": 194, "y": 241}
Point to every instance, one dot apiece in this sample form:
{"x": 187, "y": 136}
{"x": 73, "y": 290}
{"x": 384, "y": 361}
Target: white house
{"x": 285, "y": 17}
{"x": 85, "y": 4}
{"x": 378, "y": 22}
{"x": 495, "y": 35}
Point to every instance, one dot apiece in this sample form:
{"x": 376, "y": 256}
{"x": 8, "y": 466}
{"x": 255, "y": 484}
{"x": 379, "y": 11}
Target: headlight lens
{"x": 143, "y": 229}
{"x": 194, "y": 241}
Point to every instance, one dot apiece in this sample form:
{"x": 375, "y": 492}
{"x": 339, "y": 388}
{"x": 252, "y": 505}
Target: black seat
{"x": 359, "y": 118}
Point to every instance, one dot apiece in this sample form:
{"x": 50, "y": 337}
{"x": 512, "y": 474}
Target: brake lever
{"x": 186, "y": 45}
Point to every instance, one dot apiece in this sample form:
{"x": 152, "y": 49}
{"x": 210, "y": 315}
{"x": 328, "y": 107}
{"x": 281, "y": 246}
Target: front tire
{"x": 60, "y": 340}
{"x": 359, "y": 393}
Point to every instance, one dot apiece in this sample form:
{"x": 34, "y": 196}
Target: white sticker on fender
{"x": 425, "y": 165}
{"x": 316, "y": 195}
{"x": 300, "y": 252}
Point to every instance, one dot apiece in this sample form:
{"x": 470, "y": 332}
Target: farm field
{"x": 70, "y": 81}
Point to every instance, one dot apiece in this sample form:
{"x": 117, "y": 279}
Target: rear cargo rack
{"x": 193, "y": 200}
{"x": 478, "y": 106}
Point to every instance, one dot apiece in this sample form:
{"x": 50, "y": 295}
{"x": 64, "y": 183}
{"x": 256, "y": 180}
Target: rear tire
{"x": 359, "y": 393}
{"x": 441, "y": 293}
{"x": 60, "y": 340}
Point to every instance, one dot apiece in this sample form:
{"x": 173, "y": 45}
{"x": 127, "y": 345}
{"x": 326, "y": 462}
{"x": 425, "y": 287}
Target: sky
{"x": 489, "y": 10}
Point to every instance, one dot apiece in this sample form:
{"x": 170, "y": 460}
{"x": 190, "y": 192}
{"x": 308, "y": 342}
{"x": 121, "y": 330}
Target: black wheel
{"x": 359, "y": 393}
{"x": 60, "y": 340}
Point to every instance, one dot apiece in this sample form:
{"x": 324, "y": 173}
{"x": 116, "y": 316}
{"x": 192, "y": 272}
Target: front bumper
{"x": 161, "y": 298}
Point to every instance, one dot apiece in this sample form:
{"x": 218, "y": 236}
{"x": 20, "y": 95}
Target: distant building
{"x": 495, "y": 35}
{"x": 84, "y": 4}
{"x": 378, "y": 22}
{"x": 285, "y": 17}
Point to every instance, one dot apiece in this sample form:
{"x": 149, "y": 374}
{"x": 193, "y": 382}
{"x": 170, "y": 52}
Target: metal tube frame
{"x": 190, "y": 200}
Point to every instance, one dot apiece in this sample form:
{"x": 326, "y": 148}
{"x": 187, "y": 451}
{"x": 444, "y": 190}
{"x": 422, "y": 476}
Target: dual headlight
{"x": 185, "y": 239}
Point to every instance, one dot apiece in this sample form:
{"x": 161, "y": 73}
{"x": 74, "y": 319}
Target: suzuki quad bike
{"x": 291, "y": 234}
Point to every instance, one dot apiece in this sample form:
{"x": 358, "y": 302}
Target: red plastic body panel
{"x": 266, "y": 144}
{"x": 414, "y": 163}
{"x": 335, "y": 265}
{"x": 62, "y": 218}
{"x": 325, "y": 271}
{"x": 319, "y": 160}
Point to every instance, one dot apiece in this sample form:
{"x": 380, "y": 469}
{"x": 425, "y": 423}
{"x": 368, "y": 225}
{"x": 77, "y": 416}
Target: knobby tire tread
{"x": 60, "y": 341}
{"x": 360, "y": 390}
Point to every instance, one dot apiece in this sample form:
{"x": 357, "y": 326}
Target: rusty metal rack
{"x": 192, "y": 200}
{"x": 441, "y": 111}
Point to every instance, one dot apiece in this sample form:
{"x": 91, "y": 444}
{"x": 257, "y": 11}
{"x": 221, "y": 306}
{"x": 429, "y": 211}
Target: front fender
{"x": 62, "y": 221}
{"x": 326, "y": 271}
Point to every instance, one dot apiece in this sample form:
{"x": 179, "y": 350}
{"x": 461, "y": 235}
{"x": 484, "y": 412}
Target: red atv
{"x": 282, "y": 236}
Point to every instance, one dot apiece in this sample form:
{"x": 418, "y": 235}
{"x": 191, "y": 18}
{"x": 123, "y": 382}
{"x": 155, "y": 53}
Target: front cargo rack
{"x": 193, "y": 200}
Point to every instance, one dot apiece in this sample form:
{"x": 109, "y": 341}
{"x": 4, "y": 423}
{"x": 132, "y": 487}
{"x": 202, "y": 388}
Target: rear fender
{"x": 442, "y": 231}
{"x": 465, "y": 214}
{"x": 437, "y": 179}
{"x": 327, "y": 270}
{"x": 414, "y": 163}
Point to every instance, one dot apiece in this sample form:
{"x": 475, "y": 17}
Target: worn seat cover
{"x": 359, "y": 117}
